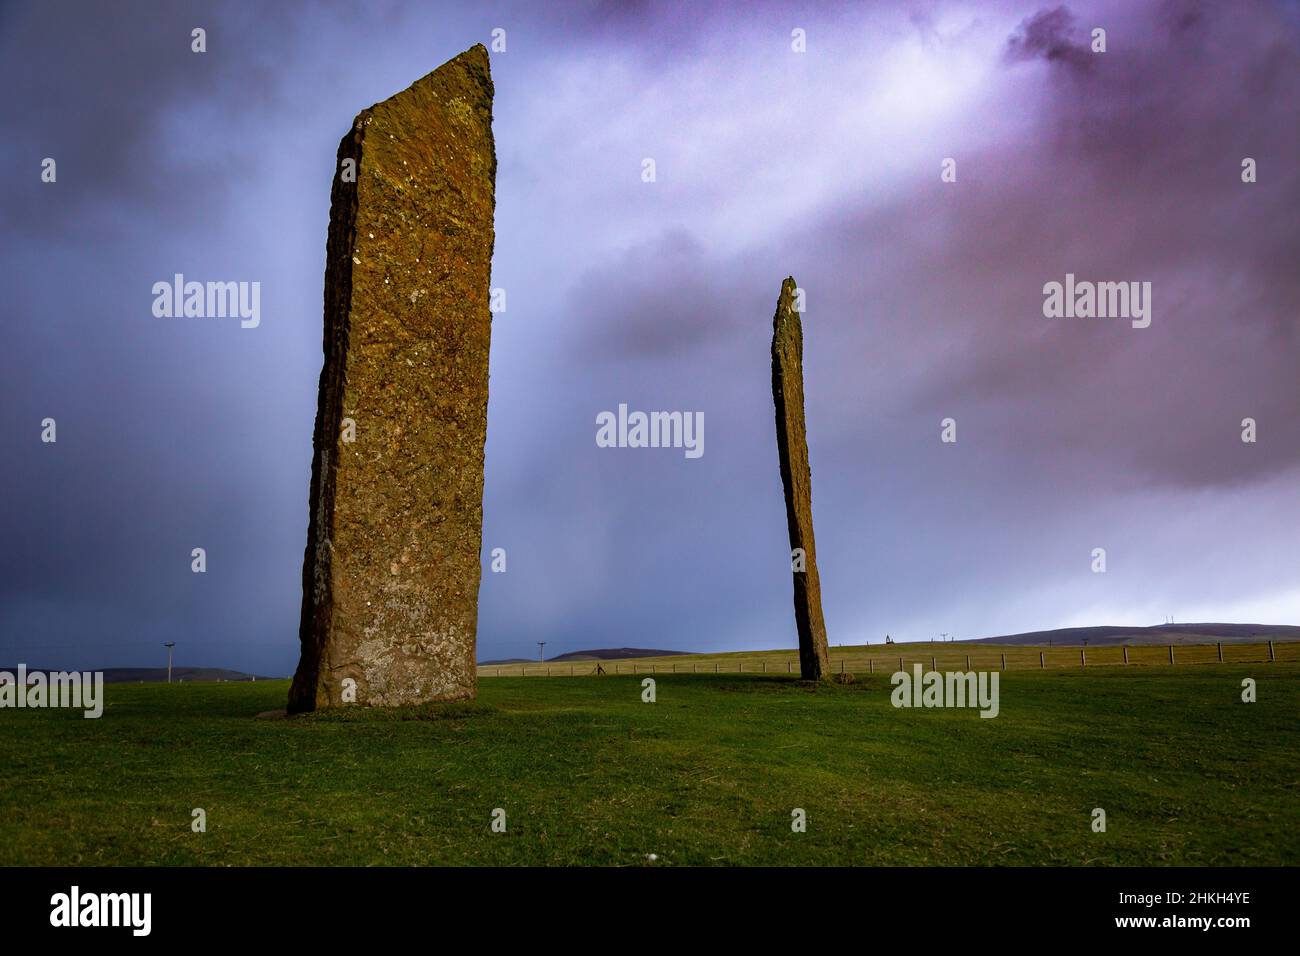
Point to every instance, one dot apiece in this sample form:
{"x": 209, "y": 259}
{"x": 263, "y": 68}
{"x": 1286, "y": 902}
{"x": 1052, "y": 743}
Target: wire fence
{"x": 947, "y": 659}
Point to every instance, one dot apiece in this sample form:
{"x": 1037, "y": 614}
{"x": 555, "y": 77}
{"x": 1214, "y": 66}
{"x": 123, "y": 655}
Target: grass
{"x": 709, "y": 774}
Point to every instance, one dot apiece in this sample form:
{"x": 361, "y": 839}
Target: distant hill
{"x": 1156, "y": 634}
{"x": 615, "y": 654}
{"x": 134, "y": 675}
{"x": 599, "y": 654}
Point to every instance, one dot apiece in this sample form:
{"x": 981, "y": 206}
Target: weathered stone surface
{"x": 792, "y": 447}
{"x": 391, "y": 573}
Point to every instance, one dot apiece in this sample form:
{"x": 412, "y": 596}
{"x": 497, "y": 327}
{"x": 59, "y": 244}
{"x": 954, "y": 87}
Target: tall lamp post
{"x": 540, "y": 645}
{"x": 169, "y": 645}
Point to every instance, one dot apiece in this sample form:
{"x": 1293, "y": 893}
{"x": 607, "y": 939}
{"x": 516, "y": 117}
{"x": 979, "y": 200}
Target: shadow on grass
{"x": 769, "y": 683}
{"x": 453, "y": 710}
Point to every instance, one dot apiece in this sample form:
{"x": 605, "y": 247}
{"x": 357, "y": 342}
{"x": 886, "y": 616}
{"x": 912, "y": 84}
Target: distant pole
{"x": 169, "y": 645}
{"x": 1004, "y": 660}
{"x": 1041, "y": 663}
{"x": 540, "y": 645}
{"x": 1220, "y": 652}
{"x": 1271, "y": 657}
{"x": 1125, "y": 653}
{"x": 1171, "y": 653}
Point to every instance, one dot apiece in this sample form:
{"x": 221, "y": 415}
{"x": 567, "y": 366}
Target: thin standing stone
{"x": 796, "y": 477}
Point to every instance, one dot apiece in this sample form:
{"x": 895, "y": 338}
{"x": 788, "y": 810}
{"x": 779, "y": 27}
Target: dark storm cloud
{"x": 1051, "y": 35}
{"x": 164, "y": 431}
{"x": 97, "y": 88}
{"x": 1138, "y": 175}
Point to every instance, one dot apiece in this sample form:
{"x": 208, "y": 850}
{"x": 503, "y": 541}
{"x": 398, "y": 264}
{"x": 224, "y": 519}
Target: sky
{"x": 924, "y": 301}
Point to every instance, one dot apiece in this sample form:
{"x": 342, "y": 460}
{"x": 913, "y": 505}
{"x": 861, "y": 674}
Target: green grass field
{"x": 709, "y": 774}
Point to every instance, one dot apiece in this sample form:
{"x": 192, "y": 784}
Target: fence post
{"x": 764, "y": 667}
{"x": 871, "y": 665}
{"x": 1083, "y": 657}
{"x": 1220, "y": 652}
{"x": 841, "y": 665}
{"x": 968, "y": 662}
{"x": 1041, "y": 663}
{"x": 900, "y": 663}
{"x": 1171, "y": 653}
{"x": 1125, "y": 653}
{"x": 1004, "y": 660}
{"x": 1270, "y": 651}
{"x": 787, "y": 667}
{"x": 715, "y": 667}
{"x": 933, "y": 665}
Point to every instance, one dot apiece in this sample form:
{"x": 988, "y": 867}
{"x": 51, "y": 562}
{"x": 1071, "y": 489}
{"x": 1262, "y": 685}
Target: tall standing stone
{"x": 391, "y": 573}
{"x": 792, "y": 447}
